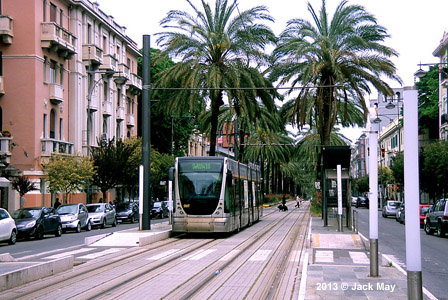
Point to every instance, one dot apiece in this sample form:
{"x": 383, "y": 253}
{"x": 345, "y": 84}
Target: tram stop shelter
{"x": 331, "y": 157}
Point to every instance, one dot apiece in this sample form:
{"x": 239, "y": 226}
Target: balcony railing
{"x": 94, "y": 100}
{"x": 5, "y": 147}
{"x": 58, "y": 39}
{"x": 50, "y": 146}
{"x": 120, "y": 113}
{"x": 123, "y": 73}
{"x": 130, "y": 120}
{"x": 92, "y": 53}
{"x": 56, "y": 93}
{"x": 6, "y": 29}
{"x": 109, "y": 62}
{"x": 107, "y": 108}
{"x": 134, "y": 84}
{"x": 2, "y": 86}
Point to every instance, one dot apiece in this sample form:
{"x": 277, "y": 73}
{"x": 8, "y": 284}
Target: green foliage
{"x": 386, "y": 175}
{"x": 68, "y": 174}
{"x": 160, "y": 165}
{"x": 434, "y": 169}
{"x": 361, "y": 185}
{"x": 397, "y": 168}
{"x": 428, "y": 103}
{"x": 23, "y": 185}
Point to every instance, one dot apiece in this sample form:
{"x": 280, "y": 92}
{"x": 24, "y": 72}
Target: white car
{"x": 8, "y": 230}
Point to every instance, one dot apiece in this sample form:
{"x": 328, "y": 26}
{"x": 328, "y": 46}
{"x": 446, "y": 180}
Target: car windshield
{"x": 393, "y": 203}
{"x": 26, "y": 214}
{"x": 424, "y": 210}
{"x": 67, "y": 209}
{"x": 123, "y": 206}
{"x": 157, "y": 204}
{"x": 94, "y": 208}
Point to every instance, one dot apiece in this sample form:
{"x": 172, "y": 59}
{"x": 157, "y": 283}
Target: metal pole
{"x": 373, "y": 202}
{"x": 412, "y": 192}
{"x": 146, "y": 136}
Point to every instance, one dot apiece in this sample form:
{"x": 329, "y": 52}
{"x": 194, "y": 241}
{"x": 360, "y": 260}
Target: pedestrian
{"x": 56, "y": 203}
{"x": 298, "y": 201}
{"x": 101, "y": 200}
{"x": 284, "y": 199}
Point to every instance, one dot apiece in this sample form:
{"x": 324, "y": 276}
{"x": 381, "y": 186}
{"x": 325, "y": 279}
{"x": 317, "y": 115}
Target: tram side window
{"x": 237, "y": 194}
{"x": 228, "y": 195}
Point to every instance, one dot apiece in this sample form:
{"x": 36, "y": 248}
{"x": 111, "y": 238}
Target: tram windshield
{"x": 200, "y": 186}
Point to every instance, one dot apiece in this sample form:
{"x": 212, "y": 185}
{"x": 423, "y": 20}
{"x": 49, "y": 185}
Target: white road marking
{"x": 359, "y": 257}
{"x": 199, "y": 254}
{"x": 101, "y": 253}
{"x": 65, "y": 254}
{"x": 165, "y": 254}
{"x": 324, "y": 256}
{"x": 260, "y": 255}
{"x": 229, "y": 255}
{"x": 295, "y": 256}
{"x": 302, "y": 289}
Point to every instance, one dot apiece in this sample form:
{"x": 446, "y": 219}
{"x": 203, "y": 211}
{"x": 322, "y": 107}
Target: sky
{"x": 416, "y": 26}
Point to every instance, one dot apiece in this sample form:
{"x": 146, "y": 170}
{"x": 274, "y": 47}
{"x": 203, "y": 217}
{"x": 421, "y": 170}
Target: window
{"x": 118, "y": 53}
{"x": 61, "y": 129}
{"x": 44, "y": 11}
{"x": 61, "y": 18}
{"x": 89, "y": 33}
{"x": 61, "y": 74}
{"x": 53, "y": 66}
{"x": 118, "y": 131}
{"x": 44, "y": 126}
{"x": 128, "y": 104}
{"x": 105, "y": 125}
{"x": 105, "y": 48}
{"x": 118, "y": 97}
{"x": 45, "y": 68}
{"x": 52, "y": 124}
{"x": 105, "y": 91}
{"x": 1, "y": 63}
{"x": 53, "y": 12}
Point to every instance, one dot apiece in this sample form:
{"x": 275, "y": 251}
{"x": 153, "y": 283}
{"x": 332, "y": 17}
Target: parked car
{"x": 391, "y": 208}
{"x": 399, "y": 211}
{"x": 423, "y": 210}
{"x": 354, "y": 200}
{"x": 362, "y": 202}
{"x": 159, "y": 209}
{"x": 437, "y": 218}
{"x": 127, "y": 211}
{"x": 8, "y": 230}
{"x": 37, "y": 221}
{"x": 102, "y": 214}
{"x": 74, "y": 217}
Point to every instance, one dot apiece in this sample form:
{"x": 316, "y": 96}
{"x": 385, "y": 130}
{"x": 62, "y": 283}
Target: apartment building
{"x": 68, "y": 77}
{"x": 442, "y": 52}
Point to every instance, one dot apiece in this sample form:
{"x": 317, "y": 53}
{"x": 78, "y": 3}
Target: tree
{"x": 23, "y": 185}
{"x": 68, "y": 174}
{"x": 332, "y": 63}
{"x": 217, "y": 49}
{"x": 428, "y": 103}
{"x": 362, "y": 184}
{"x": 434, "y": 169}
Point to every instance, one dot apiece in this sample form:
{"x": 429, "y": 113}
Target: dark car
{"x": 36, "y": 222}
{"x": 437, "y": 218}
{"x": 160, "y": 210}
{"x": 127, "y": 212}
{"x": 362, "y": 202}
{"x": 399, "y": 212}
{"x": 74, "y": 216}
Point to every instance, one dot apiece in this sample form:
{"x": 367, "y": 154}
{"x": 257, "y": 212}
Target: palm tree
{"x": 218, "y": 51}
{"x": 333, "y": 61}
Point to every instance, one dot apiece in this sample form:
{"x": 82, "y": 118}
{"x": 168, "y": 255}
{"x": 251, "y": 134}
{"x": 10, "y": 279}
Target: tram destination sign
{"x": 200, "y": 166}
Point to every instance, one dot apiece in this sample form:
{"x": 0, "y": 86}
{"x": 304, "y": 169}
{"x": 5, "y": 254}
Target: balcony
{"x": 92, "y": 53}
{"x": 107, "y": 108}
{"x": 109, "y": 63}
{"x": 123, "y": 74}
{"x": 130, "y": 120}
{"x": 134, "y": 85}
{"x": 50, "y": 146}
{"x": 58, "y": 39}
{"x": 5, "y": 147}
{"x": 2, "y": 86}
{"x": 6, "y": 32}
{"x": 120, "y": 113}
{"x": 56, "y": 93}
{"x": 93, "y": 103}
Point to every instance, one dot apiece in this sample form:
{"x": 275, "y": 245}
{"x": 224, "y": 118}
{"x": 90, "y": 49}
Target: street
{"x": 391, "y": 240}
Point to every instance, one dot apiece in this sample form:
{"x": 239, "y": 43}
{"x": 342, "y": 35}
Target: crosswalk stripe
{"x": 199, "y": 254}
{"x": 229, "y": 255}
{"x": 101, "y": 253}
{"x": 65, "y": 254}
{"x": 165, "y": 254}
{"x": 324, "y": 256}
{"x": 260, "y": 255}
{"x": 359, "y": 257}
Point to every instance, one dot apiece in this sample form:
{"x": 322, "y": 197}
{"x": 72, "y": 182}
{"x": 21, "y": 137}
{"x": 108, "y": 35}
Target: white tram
{"x": 214, "y": 194}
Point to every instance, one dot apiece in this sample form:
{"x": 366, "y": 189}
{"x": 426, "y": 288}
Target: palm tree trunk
{"x": 216, "y": 104}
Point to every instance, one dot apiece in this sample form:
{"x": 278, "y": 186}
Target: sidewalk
{"x": 339, "y": 268}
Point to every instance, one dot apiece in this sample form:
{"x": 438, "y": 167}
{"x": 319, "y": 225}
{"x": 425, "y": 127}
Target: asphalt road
{"x": 391, "y": 241}
{"x": 70, "y": 239}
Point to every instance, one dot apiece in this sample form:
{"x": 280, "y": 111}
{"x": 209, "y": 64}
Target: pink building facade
{"x": 68, "y": 78}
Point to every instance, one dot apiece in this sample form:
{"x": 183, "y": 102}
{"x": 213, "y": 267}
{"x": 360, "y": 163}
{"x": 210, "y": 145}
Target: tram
{"x": 214, "y": 194}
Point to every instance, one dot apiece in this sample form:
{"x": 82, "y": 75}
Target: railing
{"x": 130, "y": 120}
{"x": 56, "y": 93}
{"x": 107, "y": 108}
{"x": 92, "y": 52}
{"x": 109, "y": 62}
{"x": 135, "y": 82}
{"x": 52, "y": 34}
{"x": 49, "y": 146}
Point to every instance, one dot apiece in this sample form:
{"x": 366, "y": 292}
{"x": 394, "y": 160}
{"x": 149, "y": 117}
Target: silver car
{"x": 102, "y": 214}
{"x": 74, "y": 216}
{"x": 391, "y": 208}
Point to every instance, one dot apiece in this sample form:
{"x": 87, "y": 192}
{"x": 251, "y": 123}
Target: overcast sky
{"x": 416, "y": 27}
